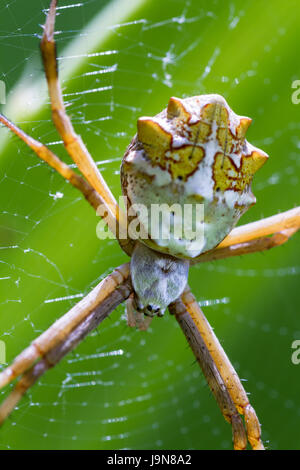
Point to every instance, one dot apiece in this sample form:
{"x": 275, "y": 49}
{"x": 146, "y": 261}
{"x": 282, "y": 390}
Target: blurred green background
{"x": 123, "y": 388}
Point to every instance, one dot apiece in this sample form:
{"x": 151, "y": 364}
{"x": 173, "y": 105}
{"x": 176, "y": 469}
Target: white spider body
{"x": 194, "y": 155}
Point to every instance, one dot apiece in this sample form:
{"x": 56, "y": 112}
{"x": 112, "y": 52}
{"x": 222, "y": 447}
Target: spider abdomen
{"x": 191, "y": 163}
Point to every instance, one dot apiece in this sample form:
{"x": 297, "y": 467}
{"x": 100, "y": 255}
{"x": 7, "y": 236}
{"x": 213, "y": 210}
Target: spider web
{"x": 122, "y": 388}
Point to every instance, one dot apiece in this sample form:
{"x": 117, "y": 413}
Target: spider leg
{"x": 27, "y": 381}
{"x": 64, "y": 335}
{"x": 264, "y": 227}
{"x": 255, "y": 236}
{"x": 59, "y": 332}
{"x": 253, "y": 246}
{"x": 62, "y": 168}
{"x": 225, "y": 369}
{"x": 72, "y": 141}
{"x": 211, "y": 373}
{"x": 65, "y": 345}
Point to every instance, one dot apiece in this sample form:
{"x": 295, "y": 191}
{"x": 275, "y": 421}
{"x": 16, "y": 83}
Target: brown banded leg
{"x": 255, "y": 237}
{"x": 211, "y": 373}
{"x": 253, "y": 246}
{"x": 63, "y": 336}
{"x": 72, "y": 141}
{"x": 56, "y": 353}
{"x": 62, "y": 328}
{"x": 90, "y": 194}
{"x": 261, "y": 228}
{"x": 45, "y": 154}
{"x": 226, "y": 370}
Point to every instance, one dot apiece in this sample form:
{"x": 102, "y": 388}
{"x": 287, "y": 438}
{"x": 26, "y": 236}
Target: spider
{"x": 162, "y": 164}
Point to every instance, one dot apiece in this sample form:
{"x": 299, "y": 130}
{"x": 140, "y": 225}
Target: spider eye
{"x": 149, "y": 311}
{"x": 153, "y": 309}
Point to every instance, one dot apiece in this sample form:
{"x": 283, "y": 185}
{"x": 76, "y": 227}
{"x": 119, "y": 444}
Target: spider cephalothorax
{"x": 191, "y": 155}
{"x": 157, "y": 279}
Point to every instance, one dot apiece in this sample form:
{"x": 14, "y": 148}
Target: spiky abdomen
{"x": 192, "y": 155}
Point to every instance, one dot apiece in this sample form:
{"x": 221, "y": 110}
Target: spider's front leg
{"x": 73, "y": 143}
{"x": 93, "y": 185}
